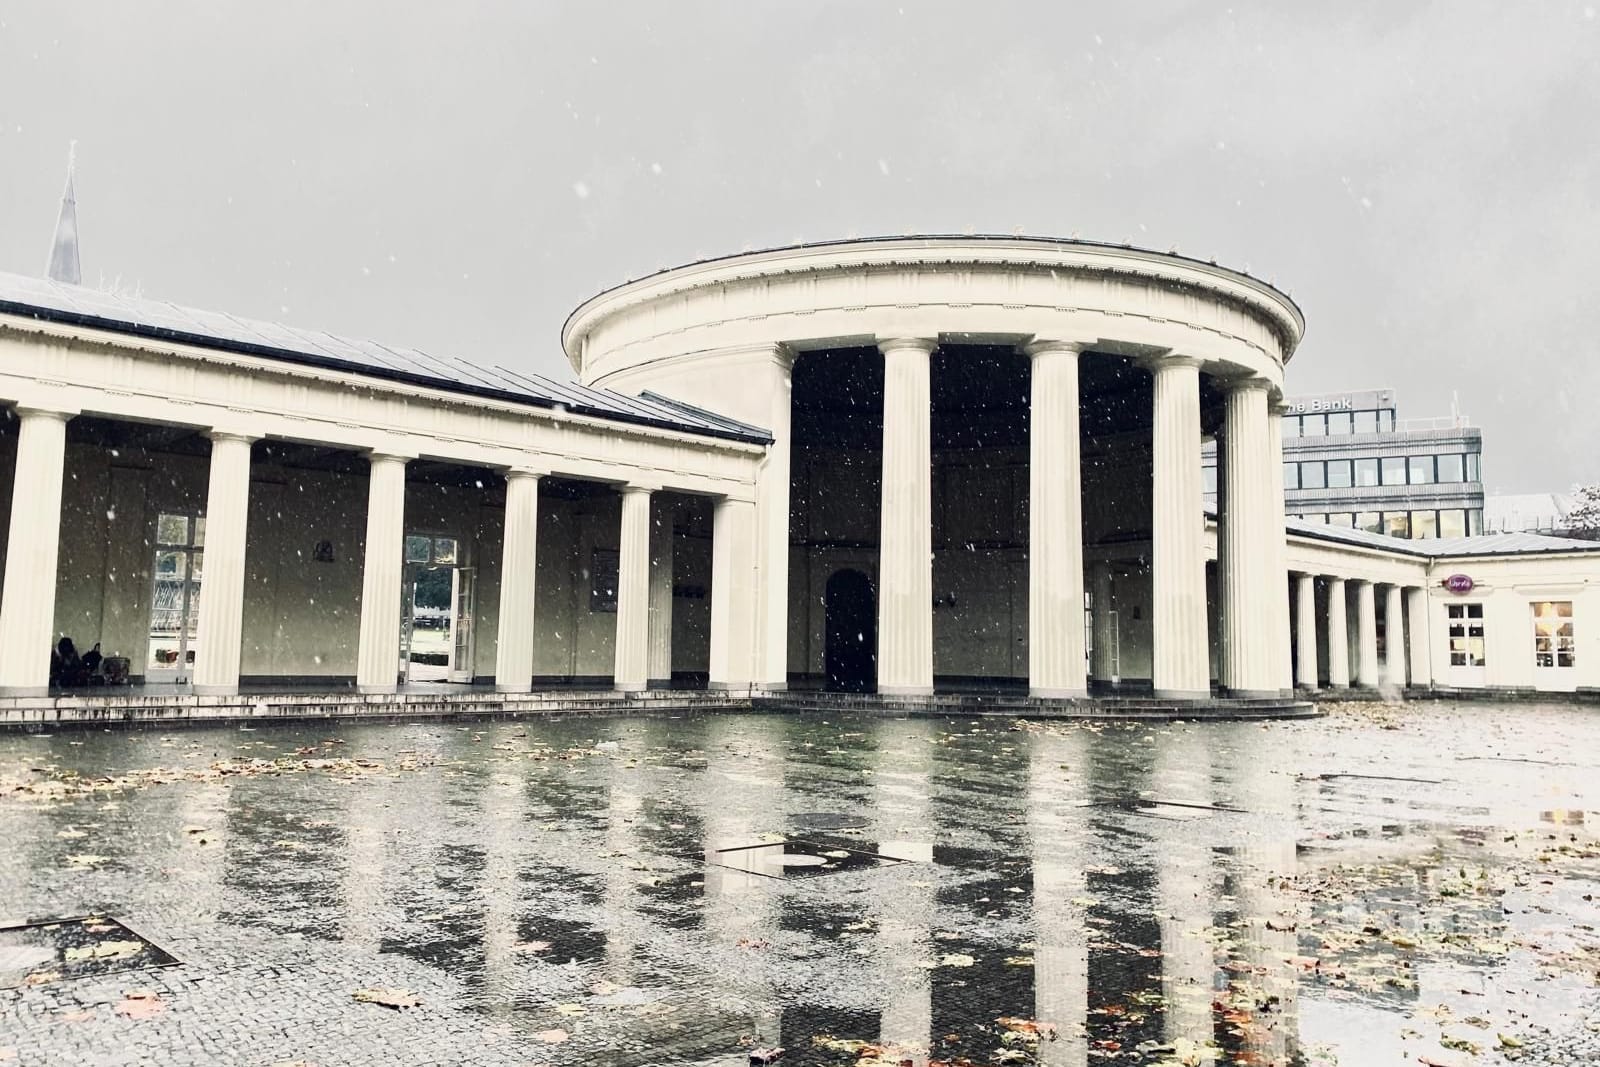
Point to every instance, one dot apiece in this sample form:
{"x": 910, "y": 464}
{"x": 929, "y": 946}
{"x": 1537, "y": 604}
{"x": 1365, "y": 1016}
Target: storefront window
{"x": 1553, "y": 642}
{"x": 1466, "y": 634}
{"x": 1452, "y": 523}
{"x": 1370, "y": 521}
{"x": 1366, "y": 472}
{"x": 1452, "y": 468}
{"x": 1312, "y": 477}
{"x": 1291, "y": 475}
{"x": 1424, "y": 524}
{"x": 1339, "y": 476}
{"x": 1421, "y": 468}
{"x": 1366, "y": 422}
{"x": 1397, "y": 523}
{"x": 1394, "y": 470}
{"x": 1339, "y": 422}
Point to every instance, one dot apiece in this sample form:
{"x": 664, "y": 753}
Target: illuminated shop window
{"x": 1466, "y": 634}
{"x": 1553, "y": 642}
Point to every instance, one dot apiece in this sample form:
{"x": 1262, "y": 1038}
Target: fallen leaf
{"x": 388, "y": 998}
{"x": 552, "y": 1037}
{"x": 140, "y": 1004}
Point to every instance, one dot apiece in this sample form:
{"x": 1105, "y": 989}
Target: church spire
{"x": 64, "y": 266}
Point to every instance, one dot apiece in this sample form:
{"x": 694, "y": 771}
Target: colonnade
{"x": 1405, "y": 622}
{"x": 1256, "y": 646}
{"x": 27, "y": 606}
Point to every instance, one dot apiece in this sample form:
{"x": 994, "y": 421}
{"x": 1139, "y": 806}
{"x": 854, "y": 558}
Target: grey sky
{"x": 1423, "y": 178}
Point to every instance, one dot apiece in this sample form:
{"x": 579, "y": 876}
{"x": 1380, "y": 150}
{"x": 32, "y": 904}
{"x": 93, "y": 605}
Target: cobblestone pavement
{"x": 1383, "y": 886}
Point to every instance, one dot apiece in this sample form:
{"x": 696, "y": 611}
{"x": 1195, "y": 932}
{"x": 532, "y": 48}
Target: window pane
{"x": 1339, "y": 422}
{"x": 1397, "y": 523}
{"x": 1371, "y": 521}
{"x": 1339, "y": 476}
{"x": 1366, "y": 422}
{"x": 200, "y": 532}
{"x": 1475, "y": 522}
{"x": 1311, "y": 476}
{"x": 1473, "y": 472}
{"x": 1317, "y": 518}
{"x": 1291, "y": 426}
{"x": 1291, "y": 475}
{"x": 1394, "y": 470}
{"x": 1421, "y": 468}
{"x": 1313, "y": 425}
{"x": 1208, "y": 479}
{"x": 1342, "y": 519}
{"x": 417, "y": 548}
{"x": 1424, "y": 524}
{"x": 1366, "y": 472}
{"x": 1452, "y": 468}
{"x": 172, "y": 529}
{"x": 1386, "y": 420}
{"x": 1474, "y": 611}
{"x": 444, "y": 550}
{"x": 1453, "y": 523}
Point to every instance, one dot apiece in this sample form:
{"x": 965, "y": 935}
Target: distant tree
{"x": 1584, "y": 518}
{"x": 433, "y": 588}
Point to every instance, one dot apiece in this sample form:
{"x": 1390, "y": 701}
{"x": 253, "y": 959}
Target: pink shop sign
{"x": 1459, "y": 583}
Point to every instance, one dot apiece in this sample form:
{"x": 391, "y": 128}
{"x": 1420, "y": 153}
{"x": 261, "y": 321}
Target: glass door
{"x": 1555, "y": 646}
{"x": 461, "y": 649}
{"x": 430, "y": 592}
{"x": 175, "y": 597}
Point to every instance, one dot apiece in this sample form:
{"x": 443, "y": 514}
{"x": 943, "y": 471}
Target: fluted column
{"x": 633, "y": 591}
{"x": 1282, "y": 660}
{"x": 1394, "y": 632}
{"x": 1180, "y": 661}
{"x": 1366, "y": 635}
{"x": 772, "y": 531}
{"x": 1104, "y": 667}
{"x": 1419, "y": 632}
{"x": 1249, "y": 590}
{"x": 513, "y": 663}
{"x": 28, "y": 607}
{"x": 905, "y": 547}
{"x": 378, "y": 656}
{"x": 1338, "y": 636}
{"x": 732, "y": 592}
{"x": 1056, "y": 666}
{"x": 220, "y": 635}
{"x": 1305, "y": 589}
{"x": 659, "y": 670}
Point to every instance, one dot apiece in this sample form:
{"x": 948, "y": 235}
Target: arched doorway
{"x": 850, "y": 652}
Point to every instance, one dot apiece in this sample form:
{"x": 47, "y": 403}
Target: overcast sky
{"x": 1423, "y": 178}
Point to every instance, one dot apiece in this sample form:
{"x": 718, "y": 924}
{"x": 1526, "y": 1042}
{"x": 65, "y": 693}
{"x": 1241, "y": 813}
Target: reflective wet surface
{"x": 1386, "y": 885}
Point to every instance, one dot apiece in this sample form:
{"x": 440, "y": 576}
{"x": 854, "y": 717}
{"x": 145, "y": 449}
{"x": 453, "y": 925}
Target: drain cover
{"x": 812, "y": 821}
{"x": 84, "y": 946}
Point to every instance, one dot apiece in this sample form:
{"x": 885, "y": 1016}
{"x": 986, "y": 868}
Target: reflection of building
{"x": 901, "y": 465}
{"x": 1349, "y": 461}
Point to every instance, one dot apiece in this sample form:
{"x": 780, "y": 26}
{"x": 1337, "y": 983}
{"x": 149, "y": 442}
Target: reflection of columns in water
{"x": 366, "y": 827}
{"x": 623, "y": 804}
{"x": 1265, "y": 857}
{"x": 1185, "y": 909}
{"x": 502, "y": 831}
{"x": 1057, "y": 829}
{"x": 901, "y": 824}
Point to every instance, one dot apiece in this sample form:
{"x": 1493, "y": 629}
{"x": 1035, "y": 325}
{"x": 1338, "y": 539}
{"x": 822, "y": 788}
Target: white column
{"x": 1338, "y": 636}
{"x": 1366, "y": 635}
{"x": 28, "y": 607}
{"x": 659, "y": 667}
{"x": 1305, "y": 589}
{"x": 1249, "y": 589}
{"x": 1180, "y": 662}
{"x": 905, "y": 547}
{"x": 1104, "y": 668}
{"x": 1421, "y": 657}
{"x": 221, "y": 628}
{"x": 1055, "y": 525}
{"x": 1281, "y": 657}
{"x": 513, "y": 661}
{"x": 633, "y": 591}
{"x": 378, "y": 657}
{"x": 772, "y": 532}
{"x": 732, "y": 589}
{"x": 1394, "y": 632}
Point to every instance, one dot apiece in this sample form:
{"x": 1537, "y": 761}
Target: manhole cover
{"x": 779, "y": 859}
{"x": 812, "y": 821}
{"x": 80, "y": 947}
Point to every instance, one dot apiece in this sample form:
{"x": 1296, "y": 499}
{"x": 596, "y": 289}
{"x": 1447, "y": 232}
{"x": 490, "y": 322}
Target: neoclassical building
{"x": 940, "y": 465}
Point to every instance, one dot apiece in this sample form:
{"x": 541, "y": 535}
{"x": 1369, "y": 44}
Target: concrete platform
{"x": 1018, "y": 705}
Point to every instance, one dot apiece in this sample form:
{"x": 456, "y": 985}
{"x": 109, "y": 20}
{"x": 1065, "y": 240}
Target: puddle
{"x": 85, "y": 946}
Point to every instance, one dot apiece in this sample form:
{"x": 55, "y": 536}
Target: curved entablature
{"x": 1114, "y": 299}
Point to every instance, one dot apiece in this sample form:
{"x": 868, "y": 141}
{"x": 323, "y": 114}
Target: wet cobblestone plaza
{"x": 1386, "y": 885}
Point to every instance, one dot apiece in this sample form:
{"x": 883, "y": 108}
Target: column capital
{"x": 1169, "y": 361}
{"x": 1044, "y": 347}
{"x": 518, "y": 473}
{"x": 39, "y": 411}
{"x": 632, "y": 488}
{"x": 925, "y": 345}
{"x": 232, "y": 435}
{"x": 377, "y": 455}
{"x": 1246, "y": 385}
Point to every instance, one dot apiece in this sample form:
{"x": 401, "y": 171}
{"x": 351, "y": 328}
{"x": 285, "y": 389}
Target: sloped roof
{"x": 73, "y": 305}
{"x": 1501, "y": 544}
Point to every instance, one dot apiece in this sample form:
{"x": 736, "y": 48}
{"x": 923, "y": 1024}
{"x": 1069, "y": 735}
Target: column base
{"x": 905, "y": 690}
{"x": 215, "y": 690}
{"x": 1254, "y": 694}
{"x": 770, "y": 687}
{"x": 517, "y": 689}
{"x": 629, "y": 687}
{"x": 24, "y": 690}
{"x": 723, "y": 687}
{"x": 377, "y": 689}
{"x": 658, "y": 683}
{"x": 1057, "y": 694}
{"x": 1183, "y": 694}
